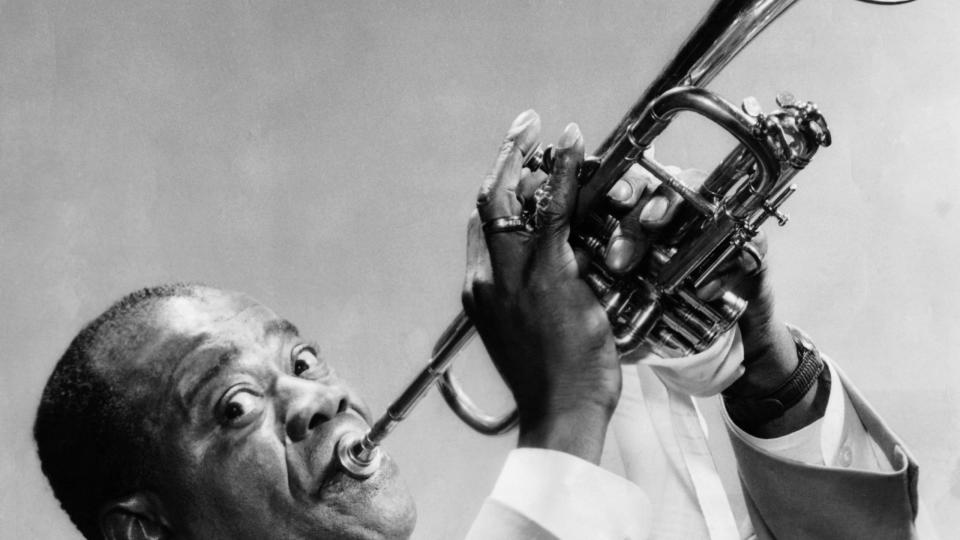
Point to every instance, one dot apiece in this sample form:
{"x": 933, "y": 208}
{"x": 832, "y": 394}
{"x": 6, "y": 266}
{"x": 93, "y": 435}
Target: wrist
{"x": 797, "y": 401}
{"x": 578, "y": 430}
{"x": 769, "y": 360}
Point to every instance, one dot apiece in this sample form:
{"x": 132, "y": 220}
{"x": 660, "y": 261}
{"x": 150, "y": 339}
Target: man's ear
{"x": 135, "y": 517}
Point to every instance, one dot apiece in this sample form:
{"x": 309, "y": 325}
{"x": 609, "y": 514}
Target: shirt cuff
{"x": 571, "y": 497}
{"x": 703, "y": 374}
{"x": 838, "y": 439}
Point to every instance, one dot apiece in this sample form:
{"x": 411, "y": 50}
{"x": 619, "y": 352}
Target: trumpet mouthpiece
{"x": 358, "y": 457}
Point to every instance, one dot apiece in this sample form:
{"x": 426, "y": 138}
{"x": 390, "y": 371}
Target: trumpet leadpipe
{"x": 360, "y": 455}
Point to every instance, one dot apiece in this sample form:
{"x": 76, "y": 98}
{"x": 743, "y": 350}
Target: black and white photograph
{"x": 483, "y": 270}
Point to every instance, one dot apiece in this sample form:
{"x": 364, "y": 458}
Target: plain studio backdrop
{"x": 324, "y": 157}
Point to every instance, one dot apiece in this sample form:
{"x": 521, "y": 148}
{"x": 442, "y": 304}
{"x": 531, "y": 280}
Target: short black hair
{"x": 93, "y": 447}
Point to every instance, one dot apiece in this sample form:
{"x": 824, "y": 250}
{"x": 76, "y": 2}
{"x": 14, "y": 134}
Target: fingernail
{"x": 620, "y": 253}
{"x": 710, "y": 291}
{"x": 654, "y": 210}
{"x": 622, "y": 191}
{"x": 571, "y": 135}
{"x": 521, "y": 123}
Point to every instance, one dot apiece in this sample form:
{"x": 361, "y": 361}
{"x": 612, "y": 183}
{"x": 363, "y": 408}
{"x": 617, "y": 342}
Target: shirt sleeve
{"x": 550, "y": 494}
{"x": 838, "y": 439}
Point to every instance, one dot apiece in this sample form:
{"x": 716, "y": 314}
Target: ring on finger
{"x": 505, "y": 225}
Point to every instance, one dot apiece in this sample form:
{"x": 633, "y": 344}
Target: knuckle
{"x": 506, "y": 150}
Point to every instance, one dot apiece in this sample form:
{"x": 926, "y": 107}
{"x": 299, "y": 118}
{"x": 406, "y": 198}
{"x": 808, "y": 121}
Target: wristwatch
{"x": 773, "y": 405}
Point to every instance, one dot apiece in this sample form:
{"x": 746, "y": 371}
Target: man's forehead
{"x": 183, "y": 327}
{"x": 179, "y": 325}
{"x": 214, "y": 311}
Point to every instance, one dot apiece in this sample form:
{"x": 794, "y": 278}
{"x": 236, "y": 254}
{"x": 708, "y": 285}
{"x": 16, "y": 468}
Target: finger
{"x": 630, "y": 240}
{"x": 653, "y": 211}
{"x": 741, "y": 274}
{"x": 744, "y": 285}
{"x": 714, "y": 288}
{"x": 659, "y": 210}
{"x": 498, "y": 194}
{"x": 529, "y": 183}
{"x": 625, "y": 249}
{"x": 665, "y": 202}
{"x": 557, "y": 196}
{"x": 749, "y": 260}
{"x": 628, "y": 190}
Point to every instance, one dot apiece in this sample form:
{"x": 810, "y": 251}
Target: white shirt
{"x": 670, "y": 487}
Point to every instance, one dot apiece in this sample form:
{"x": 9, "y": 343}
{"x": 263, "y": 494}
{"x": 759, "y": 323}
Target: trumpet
{"x": 656, "y": 305}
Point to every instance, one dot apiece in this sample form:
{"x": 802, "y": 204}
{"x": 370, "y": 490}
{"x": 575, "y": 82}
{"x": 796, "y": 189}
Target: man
{"x": 189, "y": 412}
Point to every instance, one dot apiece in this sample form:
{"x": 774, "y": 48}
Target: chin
{"x": 391, "y": 508}
{"x": 381, "y": 507}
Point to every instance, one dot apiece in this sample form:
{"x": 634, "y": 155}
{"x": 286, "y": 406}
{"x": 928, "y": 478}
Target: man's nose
{"x": 310, "y": 404}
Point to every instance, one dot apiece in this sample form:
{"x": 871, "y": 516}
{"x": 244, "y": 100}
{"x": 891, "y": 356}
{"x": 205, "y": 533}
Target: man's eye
{"x": 240, "y": 407}
{"x": 304, "y": 358}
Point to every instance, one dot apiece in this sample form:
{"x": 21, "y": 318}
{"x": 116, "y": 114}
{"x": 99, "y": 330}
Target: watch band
{"x": 775, "y": 404}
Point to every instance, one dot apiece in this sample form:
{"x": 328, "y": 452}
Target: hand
{"x": 770, "y": 357}
{"x": 646, "y": 208}
{"x": 541, "y": 324}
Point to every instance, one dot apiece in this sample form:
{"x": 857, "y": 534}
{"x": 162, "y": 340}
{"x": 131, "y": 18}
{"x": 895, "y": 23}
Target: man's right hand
{"x": 541, "y": 324}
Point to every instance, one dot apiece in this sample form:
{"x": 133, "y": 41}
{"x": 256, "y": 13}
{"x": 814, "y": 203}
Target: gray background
{"x": 324, "y": 157}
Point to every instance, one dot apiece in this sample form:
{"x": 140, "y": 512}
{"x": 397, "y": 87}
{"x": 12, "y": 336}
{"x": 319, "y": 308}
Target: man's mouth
{"x": 320, "y": 460}
{"x": 336, "y": 479}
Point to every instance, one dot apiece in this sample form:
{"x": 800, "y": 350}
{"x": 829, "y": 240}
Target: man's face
{"x": 250, "y": 415}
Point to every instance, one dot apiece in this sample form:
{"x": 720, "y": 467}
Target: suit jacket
{"x": 791, "y": 500}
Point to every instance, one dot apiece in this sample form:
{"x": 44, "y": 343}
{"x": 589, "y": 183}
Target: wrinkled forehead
{"x": 178, "y": 326}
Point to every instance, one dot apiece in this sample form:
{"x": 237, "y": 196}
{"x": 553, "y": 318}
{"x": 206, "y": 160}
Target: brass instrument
{"x": 656, "y": 304}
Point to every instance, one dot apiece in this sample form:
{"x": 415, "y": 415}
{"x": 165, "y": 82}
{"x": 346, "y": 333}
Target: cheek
{"x": 241, "y": 483}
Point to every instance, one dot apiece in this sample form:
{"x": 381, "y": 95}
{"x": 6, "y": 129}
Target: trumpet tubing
{"x": 656, "y": 304}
